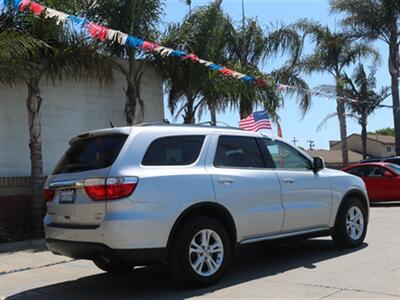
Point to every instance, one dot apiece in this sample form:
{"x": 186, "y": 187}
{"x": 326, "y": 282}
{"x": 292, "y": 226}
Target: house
{"x": 333, "y": 158}
{"x": 377, "y": 145}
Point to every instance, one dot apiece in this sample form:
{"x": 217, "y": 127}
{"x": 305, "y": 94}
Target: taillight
{"x": 112, "y": 188}
{"x": 49, "y": 195}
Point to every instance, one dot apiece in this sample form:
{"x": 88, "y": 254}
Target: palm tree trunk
{"x": 213, "y": 113}
{"x": 394, "y": 73}
{"x": 134, "y": 106}
{"x": 341, "y": 111}
{"x": 245, "y": 107}
{"x": 34, "y": 102}
{"x": 130, "y": 105}
{"x": 189, "y": 116}
{"x": 364, "y": 136}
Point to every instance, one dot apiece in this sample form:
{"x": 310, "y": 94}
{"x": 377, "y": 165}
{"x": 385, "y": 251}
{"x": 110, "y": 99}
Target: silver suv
{"x": 187, "y": 196}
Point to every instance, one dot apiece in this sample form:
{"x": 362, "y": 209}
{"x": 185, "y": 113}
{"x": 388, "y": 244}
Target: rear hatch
{"x": 87, "y": 162}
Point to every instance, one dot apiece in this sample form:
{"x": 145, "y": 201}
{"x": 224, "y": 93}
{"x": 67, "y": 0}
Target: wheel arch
{"x": 208, "y": 209}
{"x": 353, "y": 193}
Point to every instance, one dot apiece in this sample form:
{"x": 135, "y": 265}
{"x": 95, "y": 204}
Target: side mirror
{"x": 318, "y": 164}
{"x": 388, "y": 174}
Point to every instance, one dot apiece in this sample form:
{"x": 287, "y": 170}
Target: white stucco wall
{"x": 68, "y": 109}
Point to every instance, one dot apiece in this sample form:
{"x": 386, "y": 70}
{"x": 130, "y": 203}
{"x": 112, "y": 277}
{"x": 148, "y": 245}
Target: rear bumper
{"x": 92, "y": 251}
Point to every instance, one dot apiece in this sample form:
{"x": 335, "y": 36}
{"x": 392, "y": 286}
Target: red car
{"x": 382, "y": 180}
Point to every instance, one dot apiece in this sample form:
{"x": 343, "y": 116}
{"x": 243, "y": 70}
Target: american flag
{"x": 256, "y": 121}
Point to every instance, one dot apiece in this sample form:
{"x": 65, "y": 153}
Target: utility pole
{"x": 294, "y": 141}
{"x": 311, "y": 144}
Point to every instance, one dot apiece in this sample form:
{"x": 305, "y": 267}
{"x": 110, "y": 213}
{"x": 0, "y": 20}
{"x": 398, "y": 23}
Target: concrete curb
{"x": 23, "y": 245}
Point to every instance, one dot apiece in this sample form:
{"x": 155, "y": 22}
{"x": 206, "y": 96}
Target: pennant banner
{"x": 89, "y": 29}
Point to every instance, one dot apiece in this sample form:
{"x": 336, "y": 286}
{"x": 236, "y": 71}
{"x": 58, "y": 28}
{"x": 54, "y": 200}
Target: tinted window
{"x": 91, "y": 154}
{"x": 240, "y": 152}
{"x": 375, "y": 172}
{"x": 361, "y": 171}
{"x": 357, "y": 171}
{"x": 286, "y": 157}
{"x": 173, "y": 151}
{"x": 367, "y": 171}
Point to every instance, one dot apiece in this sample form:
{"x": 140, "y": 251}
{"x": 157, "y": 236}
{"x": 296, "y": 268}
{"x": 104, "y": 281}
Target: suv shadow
{"x": 261, "y": 260}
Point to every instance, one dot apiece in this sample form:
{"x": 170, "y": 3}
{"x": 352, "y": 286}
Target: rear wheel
{"x": 200, "y": 252}
{"x": 351, "y": 224}
{"x": 112, "y": 267}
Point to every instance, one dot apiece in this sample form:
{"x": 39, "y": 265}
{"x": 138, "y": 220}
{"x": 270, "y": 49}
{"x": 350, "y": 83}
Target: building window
{"x": 388, "y": 149}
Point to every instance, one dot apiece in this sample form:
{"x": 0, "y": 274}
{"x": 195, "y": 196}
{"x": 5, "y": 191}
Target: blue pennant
{"x": 16, "y": 3}
{"x": 215, "y": 67}
{"x": 76, "y": 25}
{"x": 178, "y": 53}
{"x": 248, "y": 78}
{"x": 134, "y": 41}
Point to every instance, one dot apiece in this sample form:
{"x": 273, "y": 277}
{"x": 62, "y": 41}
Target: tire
{"x": 112, "y": 267}
{"x": 351, "y": 224}
{"x": 186, "y": 252}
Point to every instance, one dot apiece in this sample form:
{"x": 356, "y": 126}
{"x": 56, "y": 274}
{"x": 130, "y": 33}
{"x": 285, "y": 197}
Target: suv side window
{"x": 286, "y": 157}
{"x": 173, "y": 151}
{"x": 238, "y": 152}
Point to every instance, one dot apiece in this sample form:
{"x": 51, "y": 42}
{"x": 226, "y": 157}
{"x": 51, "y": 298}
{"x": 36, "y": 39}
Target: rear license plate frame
{"x": 67, "y": 196}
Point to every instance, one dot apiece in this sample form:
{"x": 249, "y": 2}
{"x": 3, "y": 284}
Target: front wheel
{"x": 200, "y": 253}
{"x": 351, "y": 224}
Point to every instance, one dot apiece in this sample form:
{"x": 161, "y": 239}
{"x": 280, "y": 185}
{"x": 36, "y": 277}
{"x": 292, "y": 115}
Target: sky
{"x": 294, "y": 124}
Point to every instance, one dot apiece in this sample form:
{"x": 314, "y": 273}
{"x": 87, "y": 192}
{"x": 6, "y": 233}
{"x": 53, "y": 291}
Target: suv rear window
{"x": 91, "y": 154}
{"x": 174, "y": 151}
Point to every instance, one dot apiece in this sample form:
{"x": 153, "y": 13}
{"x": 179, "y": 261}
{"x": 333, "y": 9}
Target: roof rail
{"x": 216, "y": 125}
{"x": 165, "y": 122}
{"x": 161, "y": 122}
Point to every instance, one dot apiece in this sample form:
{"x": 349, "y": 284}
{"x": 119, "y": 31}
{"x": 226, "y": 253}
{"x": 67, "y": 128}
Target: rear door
{"x": 244, "y": 185}
{"x": 88, "y": 157}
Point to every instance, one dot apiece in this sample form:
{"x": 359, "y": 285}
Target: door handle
{"x": 288, "y": 180}
{"x": 226, "y": 180}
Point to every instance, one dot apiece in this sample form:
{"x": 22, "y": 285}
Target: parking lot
{"x": 295, "y": 269}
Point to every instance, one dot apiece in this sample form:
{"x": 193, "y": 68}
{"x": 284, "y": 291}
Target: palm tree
{"x": 206, "y": 32}
{"x": 15, "y": 46}
{"x": 63, "y": 56}
{"x": 251, "y": 48}
{"x": 377, "y": 20}
{"x": 362, "y": 87}
{"x": 333, "y": 52}
{"x": 137, "y": 18}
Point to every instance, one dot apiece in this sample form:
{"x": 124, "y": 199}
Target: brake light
{"x": 49, "y": 195}
{"x": 113, "y": 188}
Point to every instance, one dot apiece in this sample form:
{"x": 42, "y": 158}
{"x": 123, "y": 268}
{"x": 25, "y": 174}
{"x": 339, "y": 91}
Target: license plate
{"x": 67, "y": 196}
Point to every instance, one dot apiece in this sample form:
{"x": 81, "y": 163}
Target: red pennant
{"x": 149, "y": 46}
{"x": 97, "y": 31}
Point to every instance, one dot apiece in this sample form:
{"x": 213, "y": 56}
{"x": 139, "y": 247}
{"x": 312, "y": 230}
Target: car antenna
{"x": 111, "y": 124}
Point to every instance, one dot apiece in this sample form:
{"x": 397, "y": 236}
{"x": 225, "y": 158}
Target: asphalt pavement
{"x": 309, "y": 269}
